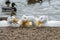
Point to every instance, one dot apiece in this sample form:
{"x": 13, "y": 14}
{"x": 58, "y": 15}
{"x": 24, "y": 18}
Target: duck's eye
{"x": 41, "y": 18}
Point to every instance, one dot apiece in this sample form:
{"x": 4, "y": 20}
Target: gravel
{"x": 30, "y": 33}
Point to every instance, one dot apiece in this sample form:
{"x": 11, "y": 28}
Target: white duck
{"x": 43, "y": 18}
{"x": 10, "y": 18}
{"x": 26, "y": 20}
{"x": 13, "y": 21}
{"x": 40, "y": 20}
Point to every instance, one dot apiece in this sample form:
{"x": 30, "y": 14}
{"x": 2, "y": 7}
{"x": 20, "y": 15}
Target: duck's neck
{"x": 13, "y": 5}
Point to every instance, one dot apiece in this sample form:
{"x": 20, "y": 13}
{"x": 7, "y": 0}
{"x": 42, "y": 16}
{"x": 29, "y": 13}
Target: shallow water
{"x": 52, "y": 10}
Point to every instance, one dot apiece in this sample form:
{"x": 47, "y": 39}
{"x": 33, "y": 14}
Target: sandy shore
{"x": 29, "y": 34}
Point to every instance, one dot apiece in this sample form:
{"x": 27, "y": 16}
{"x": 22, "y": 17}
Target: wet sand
{"x": 30, "y": 33}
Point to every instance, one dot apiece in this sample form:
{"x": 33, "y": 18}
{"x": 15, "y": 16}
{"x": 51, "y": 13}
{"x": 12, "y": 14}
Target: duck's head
{"x": 24, "y": 18}
{"x": 43, "y": 18}
{"x": 31, "y": 18}
{"x": 13, "y": 4}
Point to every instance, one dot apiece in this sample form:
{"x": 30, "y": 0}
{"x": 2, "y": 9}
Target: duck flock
{"x": 28, "y": 21}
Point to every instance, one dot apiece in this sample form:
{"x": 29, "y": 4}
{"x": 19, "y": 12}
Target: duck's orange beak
{"x": 15, "y": 20}
{"x": 38, "y": 24}
{"x": 27, "y": 23}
